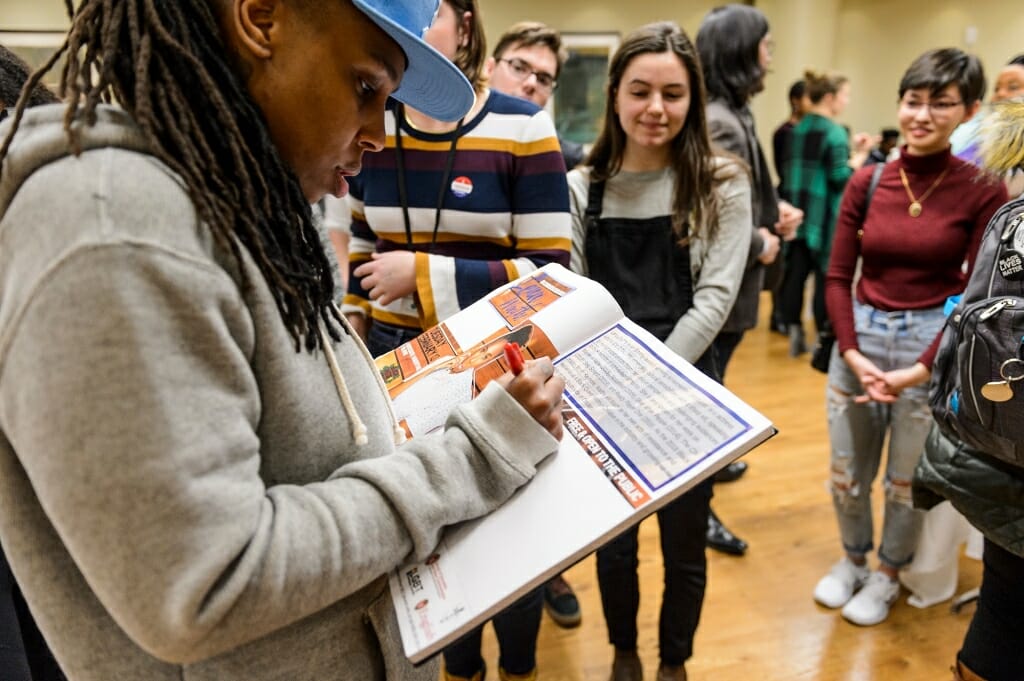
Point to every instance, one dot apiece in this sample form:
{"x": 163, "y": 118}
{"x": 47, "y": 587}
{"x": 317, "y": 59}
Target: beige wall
{"x": 871, "y": 41}
{"x": 32, "y": 15}
{"x": 879, "y": 39}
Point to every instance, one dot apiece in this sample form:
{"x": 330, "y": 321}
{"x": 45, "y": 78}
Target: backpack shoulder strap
{"x": 876, "y": 177}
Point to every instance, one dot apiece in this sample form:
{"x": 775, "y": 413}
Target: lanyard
{"x": 403, "y": 195}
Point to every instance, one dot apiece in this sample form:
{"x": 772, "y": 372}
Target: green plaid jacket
{"x": 815, "y": 175}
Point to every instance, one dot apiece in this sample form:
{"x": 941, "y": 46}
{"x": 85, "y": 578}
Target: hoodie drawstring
{"x": 359, "y": 432}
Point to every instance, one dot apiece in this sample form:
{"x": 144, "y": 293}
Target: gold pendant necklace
{"x": 914, "y": 210}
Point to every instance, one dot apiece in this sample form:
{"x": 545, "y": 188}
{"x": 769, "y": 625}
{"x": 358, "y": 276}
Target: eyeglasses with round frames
{"x": 521, "y": 70}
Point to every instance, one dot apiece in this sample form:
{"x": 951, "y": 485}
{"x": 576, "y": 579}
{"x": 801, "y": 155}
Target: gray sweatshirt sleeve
{"x": 129, "y": 398}
{"x": 579, "y": 184}
{"x": 719, "y": 266}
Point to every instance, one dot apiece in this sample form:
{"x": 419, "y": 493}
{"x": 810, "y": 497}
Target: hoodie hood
{"x": 41, "y": 139}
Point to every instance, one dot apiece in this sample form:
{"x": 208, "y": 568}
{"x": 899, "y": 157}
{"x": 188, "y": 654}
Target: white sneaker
{"x": 871, "y": 604}
{"x": 835, "y": 589}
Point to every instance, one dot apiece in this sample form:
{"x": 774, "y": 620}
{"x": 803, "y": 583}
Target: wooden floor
{"x": 759, "y": 621}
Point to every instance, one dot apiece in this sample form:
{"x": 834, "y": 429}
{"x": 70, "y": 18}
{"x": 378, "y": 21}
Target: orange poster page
{"x": 532, "y": 294}
{"x": 430, "y": 347}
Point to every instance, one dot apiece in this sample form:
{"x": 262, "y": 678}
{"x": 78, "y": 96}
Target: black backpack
{"x": 977, "y": 396}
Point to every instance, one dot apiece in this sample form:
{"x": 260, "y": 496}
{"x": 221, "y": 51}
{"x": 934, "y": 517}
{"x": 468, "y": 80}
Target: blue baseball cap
{"x": 431, "y": 83}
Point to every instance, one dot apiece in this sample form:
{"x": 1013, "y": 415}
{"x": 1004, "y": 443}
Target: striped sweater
{"x": 504, "y": 213}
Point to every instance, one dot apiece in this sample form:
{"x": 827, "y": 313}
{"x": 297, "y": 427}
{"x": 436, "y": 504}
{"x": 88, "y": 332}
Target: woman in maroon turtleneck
{"x": 925, "y": 220}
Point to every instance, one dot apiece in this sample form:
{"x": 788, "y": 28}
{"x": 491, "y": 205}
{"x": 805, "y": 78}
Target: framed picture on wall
{"x": 35, "y": 47}
{"x": 578, "y": 104}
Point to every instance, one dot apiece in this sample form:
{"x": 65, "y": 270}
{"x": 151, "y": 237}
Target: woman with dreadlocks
{"x": 199, "y": 474}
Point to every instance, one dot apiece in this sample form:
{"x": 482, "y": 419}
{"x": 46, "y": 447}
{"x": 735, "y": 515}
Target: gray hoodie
{"x": 181, "y": 494}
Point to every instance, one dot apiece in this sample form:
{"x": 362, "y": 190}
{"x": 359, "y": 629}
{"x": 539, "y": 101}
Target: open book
{"x": 642, "y": 426}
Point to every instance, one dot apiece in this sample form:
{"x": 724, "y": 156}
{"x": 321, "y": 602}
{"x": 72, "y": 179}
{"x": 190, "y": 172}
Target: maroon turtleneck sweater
{"x": 908, "y": 263}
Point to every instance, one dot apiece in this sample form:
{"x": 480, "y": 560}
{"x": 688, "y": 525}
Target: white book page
{"x": 642, "y": 426}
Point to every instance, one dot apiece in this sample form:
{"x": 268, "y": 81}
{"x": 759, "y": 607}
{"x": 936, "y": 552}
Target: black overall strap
{"x": 403, "y": 195}
{"x": 595, "y": 200}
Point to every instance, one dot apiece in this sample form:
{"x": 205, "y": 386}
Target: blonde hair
{"x": 1002, "y": 134}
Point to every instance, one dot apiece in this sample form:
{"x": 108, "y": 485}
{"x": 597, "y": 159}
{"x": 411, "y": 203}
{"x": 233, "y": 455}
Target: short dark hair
{"x": 14, "y": 73}
{"x": 890, "y": 134}
{"x": 528, "y": 34}
{"x": 728, "y": 42}
{"x": 935, "y": 70}
{"x": 1016, "y": 61}
{"x": 797, "y": 90}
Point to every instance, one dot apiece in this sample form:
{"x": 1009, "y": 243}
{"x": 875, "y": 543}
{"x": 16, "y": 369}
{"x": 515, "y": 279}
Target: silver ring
{"x": 1013, "y": 361}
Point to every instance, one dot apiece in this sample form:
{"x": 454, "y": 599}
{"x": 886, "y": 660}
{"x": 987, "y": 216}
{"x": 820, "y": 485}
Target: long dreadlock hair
{"x": 164, "y": 62}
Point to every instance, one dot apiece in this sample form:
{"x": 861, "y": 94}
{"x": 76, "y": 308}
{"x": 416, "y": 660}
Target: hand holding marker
{"x": 514, "y": 357}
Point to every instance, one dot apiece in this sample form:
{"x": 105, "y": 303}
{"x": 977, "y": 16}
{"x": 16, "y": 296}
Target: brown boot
{"x": 626, "y": 666}
{"x": 671, "y": 672}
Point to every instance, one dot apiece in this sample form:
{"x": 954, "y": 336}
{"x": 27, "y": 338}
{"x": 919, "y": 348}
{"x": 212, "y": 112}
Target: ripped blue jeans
{"x": 857, "y": 433}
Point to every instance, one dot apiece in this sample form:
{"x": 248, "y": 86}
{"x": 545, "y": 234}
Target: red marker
{"x": 514, "y": 357}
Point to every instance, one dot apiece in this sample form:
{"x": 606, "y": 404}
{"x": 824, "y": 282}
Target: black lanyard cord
{"x": 403, "y": 194}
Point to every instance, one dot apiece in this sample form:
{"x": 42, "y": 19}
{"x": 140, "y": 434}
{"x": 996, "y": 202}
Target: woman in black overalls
{"x": 665, "y": 226}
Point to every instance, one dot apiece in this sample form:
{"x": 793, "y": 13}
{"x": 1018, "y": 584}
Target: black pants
{"x": 801, "y": 262}
{"x": 725, "y": 344}
{"x": 994, "y": 645}
{"x": 516, "y": 628}
{"x": 24, "y": 655}
{"x": 683, "y": 524}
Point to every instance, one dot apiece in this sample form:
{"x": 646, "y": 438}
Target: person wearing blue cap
{"x": 200, "y": 473}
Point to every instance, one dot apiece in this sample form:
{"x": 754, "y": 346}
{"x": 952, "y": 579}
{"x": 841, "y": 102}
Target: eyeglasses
{"x": 521, "y": 70}
{"x": 943, "y": 107}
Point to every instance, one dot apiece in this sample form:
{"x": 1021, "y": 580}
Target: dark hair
{"x": 728, "y": 43}
{"x": 166, "y": 64}
{"x": 797, "y": 90}
{"x": 935, "y": 70}
{"x": 470, "y": 57}
{"x": 890, "y": 134}
{"x": 1016, "y": 61}
{"x": 528, "y": 34}
{"x": 818, "y": 85}
{"x": 14, "y": 73}
{"x": 692, "y": 159}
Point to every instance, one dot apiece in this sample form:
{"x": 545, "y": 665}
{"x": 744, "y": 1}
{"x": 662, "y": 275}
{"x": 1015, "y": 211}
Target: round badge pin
{"x": 462, "y": 186}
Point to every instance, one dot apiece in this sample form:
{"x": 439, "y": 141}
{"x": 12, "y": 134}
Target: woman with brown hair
{"x": 816, "y": 172}
{"x": 658, "y": 219}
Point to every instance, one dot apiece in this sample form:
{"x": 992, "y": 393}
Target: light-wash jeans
{"x": 892, "y": 340}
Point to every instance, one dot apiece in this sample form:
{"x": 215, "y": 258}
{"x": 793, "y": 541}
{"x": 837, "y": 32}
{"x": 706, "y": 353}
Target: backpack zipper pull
{"x": 996, "y": 308}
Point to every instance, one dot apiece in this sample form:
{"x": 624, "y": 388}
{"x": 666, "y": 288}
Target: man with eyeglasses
{"x": 525, "y": 63}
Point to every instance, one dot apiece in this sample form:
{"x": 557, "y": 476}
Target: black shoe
{"x": 561, "y": 603}
{"x": 732, "y": 472}
{"x": 721, "y": 539}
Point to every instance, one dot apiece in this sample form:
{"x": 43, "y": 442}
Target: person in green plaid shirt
{"x": 814, "y": 176}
